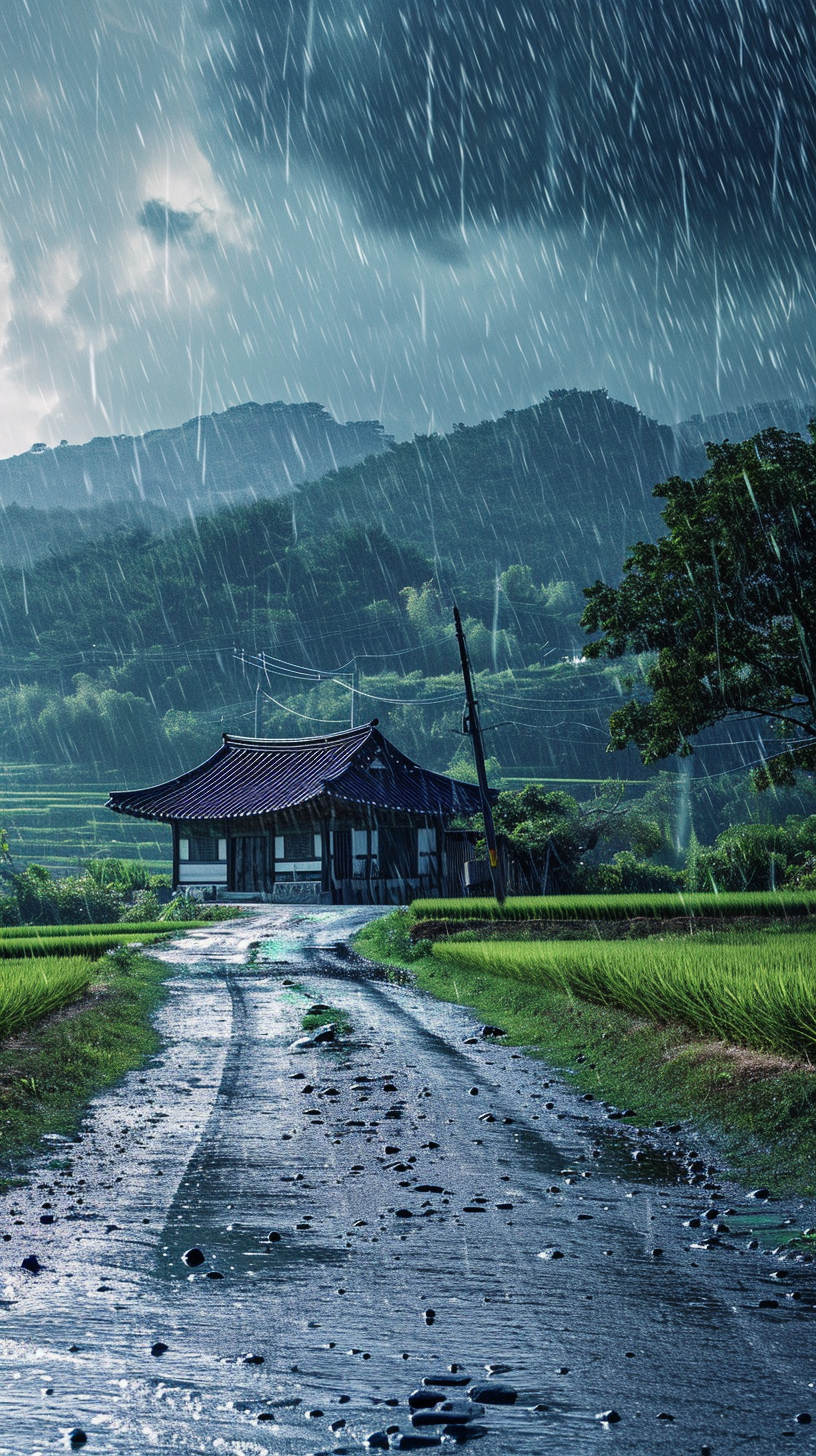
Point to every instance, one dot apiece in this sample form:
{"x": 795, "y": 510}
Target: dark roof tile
{"x": 251, "y": 776}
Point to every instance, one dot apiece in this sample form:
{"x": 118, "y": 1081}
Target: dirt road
{"x": 406, "y": 1168}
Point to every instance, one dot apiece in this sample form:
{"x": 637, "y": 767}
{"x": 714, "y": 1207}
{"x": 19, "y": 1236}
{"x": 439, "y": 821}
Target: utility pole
{"x": 473, "y": 727}
{"x": 355, "y": 683}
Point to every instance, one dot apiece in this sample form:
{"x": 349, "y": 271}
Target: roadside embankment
{"x": 75, "y": 1009}
{"x": 49, "y": 1071}
{"x": 715, "y": 1029}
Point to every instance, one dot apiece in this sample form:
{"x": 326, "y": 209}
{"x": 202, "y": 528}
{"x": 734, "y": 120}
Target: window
{"x": 398, "y": 853}
{"x": 298, "y": 846}
{"x": 343, "y": 863}
{"x": 204, "y": 851}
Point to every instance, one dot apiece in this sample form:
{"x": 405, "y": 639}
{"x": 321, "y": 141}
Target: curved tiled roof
{"x": 246, "y": 777}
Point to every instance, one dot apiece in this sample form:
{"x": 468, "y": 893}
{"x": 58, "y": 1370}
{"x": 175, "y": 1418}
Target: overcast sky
{"x": 403, "y": 209}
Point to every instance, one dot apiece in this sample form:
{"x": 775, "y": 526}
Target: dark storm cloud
{"x": 165, "y": 223}
{"x": 674, "y": 115}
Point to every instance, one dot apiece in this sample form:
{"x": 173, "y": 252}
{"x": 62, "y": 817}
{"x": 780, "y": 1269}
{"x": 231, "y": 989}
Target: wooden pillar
{"x": 175, "y": 829}
{"x": 230, "y": 856}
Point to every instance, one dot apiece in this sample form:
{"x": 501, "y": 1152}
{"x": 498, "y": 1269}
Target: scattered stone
{"x": 495, "y": 1369}
{"x": 403, "y": 1213}
{"x": 193, "y": 1258}
{"x": 77, "y": 1438}
{"x": 460, "y": 1434}
{"x": 318, "y": 1009}
{"x": 769, "y": 1304}
{"x": 31, "y": 1264}
{"x": 49, "y": 1218}
{"x": 487, "y": 1031}
{"x": 449, "y": 1412}
{"x": 377, "y": 1441}
{"x": 664, "y": 1416}
{"x": 313, "y": 1415}
{"x": 657, "y": 1253}
{"x": 429, "y": 1315}
{"x": 803, "y": 1418}
{"x": 425, "y": 1399}
{"x": 761, "y": 1193}
{"x": 451, "y": 1377}
{"x": 493, "y": 1394}
{"x": 474, "y": 1091}
{"x": 337, "y": 1425}
{"x": 273, "y": 1237}
{"x": 551, "y": 1254}
{"x": 213, "y": 1274}
{"x": 253, "y": 1360}
{"x": 609, "y": 1418}
{"x": 159, "y": 1348}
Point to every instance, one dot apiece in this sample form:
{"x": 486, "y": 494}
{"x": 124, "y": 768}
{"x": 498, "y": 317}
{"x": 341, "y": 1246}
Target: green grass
{"x": 332, "y": 1016}
{"x": 618, "y": 907}
{"x": 49, "y": 1072}
{"x": 30, "y": 991}
{"x": 749, "y": 990}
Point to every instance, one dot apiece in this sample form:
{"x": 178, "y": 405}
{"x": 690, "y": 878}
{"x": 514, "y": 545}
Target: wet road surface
{"x": 407, "y": 1169}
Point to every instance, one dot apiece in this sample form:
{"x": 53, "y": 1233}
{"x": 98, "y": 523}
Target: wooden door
{"x": 252, "y": 863}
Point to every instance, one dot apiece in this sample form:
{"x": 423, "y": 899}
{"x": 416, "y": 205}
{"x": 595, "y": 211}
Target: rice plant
{"x": 72, "y": 945}
{"x": 751, "y": 990}
{"x": 30, "y": 989}
{"x": 107, "y": 927}
{"x": 619, "y": 907}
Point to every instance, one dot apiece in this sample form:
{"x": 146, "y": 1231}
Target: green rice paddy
{"x": 619, "y": 907}
{"x": 56, "y": 818}
{"x": 751, "y": 990}
{"x": 30, "y": 990}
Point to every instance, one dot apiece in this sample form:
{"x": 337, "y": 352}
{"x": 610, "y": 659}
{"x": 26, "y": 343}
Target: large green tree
{"x": 724, "y": 605}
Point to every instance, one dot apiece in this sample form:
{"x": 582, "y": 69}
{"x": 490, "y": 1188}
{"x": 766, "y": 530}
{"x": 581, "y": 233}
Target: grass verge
{"x": 49, "y": 1072}
{"x": 759, "y": 1107}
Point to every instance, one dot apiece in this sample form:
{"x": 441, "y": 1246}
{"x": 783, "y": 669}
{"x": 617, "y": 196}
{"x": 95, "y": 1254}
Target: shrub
{"x": 145, "y": 906}
{"x": 626, "y": 874}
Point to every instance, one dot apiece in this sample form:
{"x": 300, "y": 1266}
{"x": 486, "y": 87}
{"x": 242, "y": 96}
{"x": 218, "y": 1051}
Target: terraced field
{"x": 56, "y": 818}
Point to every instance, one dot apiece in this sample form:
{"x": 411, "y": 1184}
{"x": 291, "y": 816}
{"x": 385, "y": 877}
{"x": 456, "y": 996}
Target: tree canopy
{"x": 725, "y": 605}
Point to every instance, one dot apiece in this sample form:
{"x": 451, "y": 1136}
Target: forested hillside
{"x": 249, "y": 450}
{"x": 120, "y": 652}
{"x": 562, "y": 487}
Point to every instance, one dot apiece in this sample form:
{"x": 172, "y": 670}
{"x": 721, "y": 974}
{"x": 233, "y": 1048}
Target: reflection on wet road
{"x": 408, "y": 1201}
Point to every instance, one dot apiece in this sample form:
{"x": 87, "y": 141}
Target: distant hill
{"x": 564, "y": 487}
{"x": 248, "y": 451}
{"x": 739, "y": 424}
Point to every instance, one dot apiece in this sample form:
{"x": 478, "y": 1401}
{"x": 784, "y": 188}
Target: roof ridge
{"x": 362, "y": 731}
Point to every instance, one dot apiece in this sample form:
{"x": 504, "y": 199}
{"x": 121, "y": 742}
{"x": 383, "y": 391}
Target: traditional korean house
{"x": 346, "y": 819}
